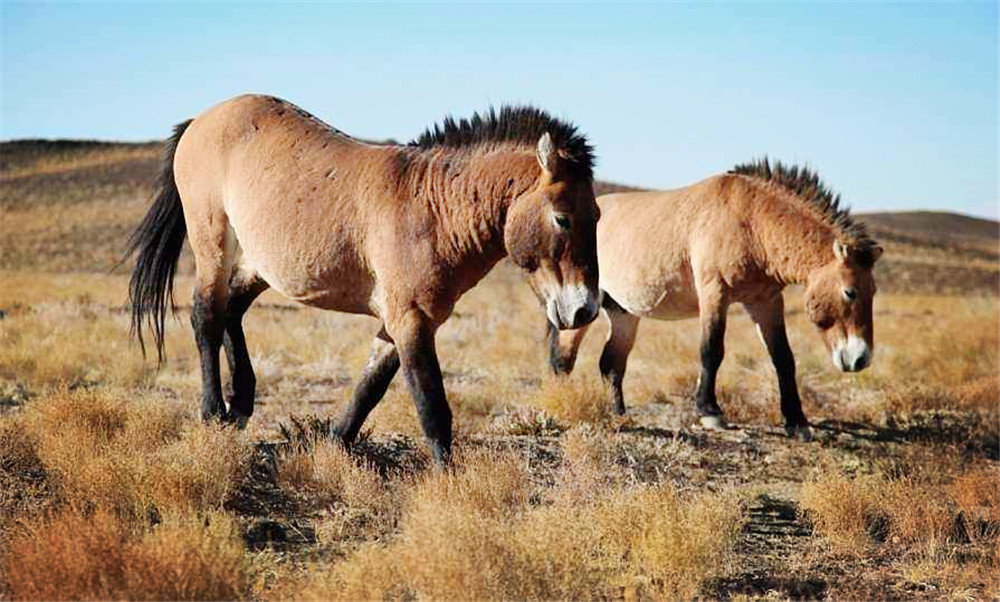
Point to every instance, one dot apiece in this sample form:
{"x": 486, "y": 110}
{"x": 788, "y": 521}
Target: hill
{"x": 68, "y": 205}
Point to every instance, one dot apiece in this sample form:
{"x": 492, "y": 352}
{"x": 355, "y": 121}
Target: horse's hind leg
{"x": 713, "y": 306}
{"x": 383, "y": 363}
{"x": 243, "y": 291}
{"x": 614, "y": 357}
{"x": 769, "y": 317}
{"x": 209, "y": 323}
{"x": 214, "y": 246}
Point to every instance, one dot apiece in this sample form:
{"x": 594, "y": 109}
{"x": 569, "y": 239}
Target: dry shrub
{"x": 842, "y": 510}
{"x": 977, "y": 495}
{"x": 79, "y": 556}
{"x": 908, "y": 513}
{"x": 23, "y": 483}
{"x": 982, "y": 394}
{"x": 478, "y": 533}
{"x": 324, "y": 474}
{"x": 131, "y": 456}
{"x": 575, "y": 399}
{"x": 587, "y": 468}
{"x": 199, "y": 470}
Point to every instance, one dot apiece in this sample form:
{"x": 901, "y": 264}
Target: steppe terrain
{"x": 110, "y": 488}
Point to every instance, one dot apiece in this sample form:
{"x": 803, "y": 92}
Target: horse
{"x": 738, "y": 237}
{"x": 269, "y": 196}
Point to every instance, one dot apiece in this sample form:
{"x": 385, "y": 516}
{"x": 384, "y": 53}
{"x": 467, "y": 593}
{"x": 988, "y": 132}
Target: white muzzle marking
{"x": 571, "y": 306}
{"x": 852, "y": 354}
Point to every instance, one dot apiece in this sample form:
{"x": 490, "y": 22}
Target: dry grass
{"x": 479, "y": 533}
{"x": 133, "y": 456}
{"x": 324, "y": 476}
{"x": 574, "y": 399}
{"x": 949, "y": 527}
{"x": 72, "y": 555}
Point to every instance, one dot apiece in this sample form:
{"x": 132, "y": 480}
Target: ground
{"x": 110, "y": 487}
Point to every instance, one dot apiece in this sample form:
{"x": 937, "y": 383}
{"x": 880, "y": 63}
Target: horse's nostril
{"x": 859, "y": 363}
{"x": 583, "y": 316}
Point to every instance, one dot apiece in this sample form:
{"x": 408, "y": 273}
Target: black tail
{"x": 158, "y": 240}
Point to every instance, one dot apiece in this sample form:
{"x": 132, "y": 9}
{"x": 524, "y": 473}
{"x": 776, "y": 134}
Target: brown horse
{"x": 269, "y": 196}
{"x": 733, "y": 238}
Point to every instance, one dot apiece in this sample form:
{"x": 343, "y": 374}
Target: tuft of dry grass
{"x": 323, "y": 475}
{"x": 72, "y": 555}
{"x": 574, "y": 399}
{"x": 133, "y": 456}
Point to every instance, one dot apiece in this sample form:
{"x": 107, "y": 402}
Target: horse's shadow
{"x": 935, "y": 430}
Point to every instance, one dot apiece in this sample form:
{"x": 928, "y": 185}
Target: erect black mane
{"x": 524, "y": 124}
{"x": 807, "y": 185}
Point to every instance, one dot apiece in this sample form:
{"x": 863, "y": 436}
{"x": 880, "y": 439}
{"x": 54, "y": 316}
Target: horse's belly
{"x": 663, "y": 294}
{"x": 328, "y": 278}
{"x": 669, "y": 301}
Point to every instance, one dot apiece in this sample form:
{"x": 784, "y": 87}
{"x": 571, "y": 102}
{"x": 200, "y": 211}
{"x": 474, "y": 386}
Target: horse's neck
{"x": 469, "y": 193}
{"x": 795, "y": 240}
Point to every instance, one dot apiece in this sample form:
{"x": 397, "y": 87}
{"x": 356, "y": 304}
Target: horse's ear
{"x": 876, "y": 253}
{"x": 547, "y": 153}
{"x": 840, "y": 251}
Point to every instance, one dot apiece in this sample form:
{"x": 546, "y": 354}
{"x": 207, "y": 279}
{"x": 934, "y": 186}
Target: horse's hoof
{"x": 713, "y": 423}
{"x": 801, "y": 432}
{"x": 240, "y": 421}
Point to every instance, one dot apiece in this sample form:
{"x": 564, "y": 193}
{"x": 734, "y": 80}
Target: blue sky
{"x": 896, "y": 105}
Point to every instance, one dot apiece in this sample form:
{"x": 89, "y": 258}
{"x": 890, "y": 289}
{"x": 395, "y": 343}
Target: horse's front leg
{"x": 383, "y": 363}
{"x": 413, "y": 333}
{"x": 713, "y": 307}
{"x": 769, "y": 317}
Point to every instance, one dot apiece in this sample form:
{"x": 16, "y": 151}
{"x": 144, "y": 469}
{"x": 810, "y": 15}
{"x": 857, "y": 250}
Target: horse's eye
{"x": 850, "y": 293}
{"x": 562, "y": 221}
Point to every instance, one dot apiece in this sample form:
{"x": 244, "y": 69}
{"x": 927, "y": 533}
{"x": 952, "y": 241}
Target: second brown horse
{"x": 739, "y": 237}
{"x": 271, "y": 197}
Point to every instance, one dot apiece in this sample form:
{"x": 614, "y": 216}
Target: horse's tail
{"x": 158, "y": 241}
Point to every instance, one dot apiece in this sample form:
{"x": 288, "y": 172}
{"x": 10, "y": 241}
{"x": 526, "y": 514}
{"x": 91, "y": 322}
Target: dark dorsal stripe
{"x": 521, "y": 124}
{"x": 807, "y": 185}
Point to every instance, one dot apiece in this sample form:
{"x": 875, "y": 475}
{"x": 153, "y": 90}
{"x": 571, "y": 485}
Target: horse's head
{"x": 839, "y": 302}
{"x": 551, "y": 233}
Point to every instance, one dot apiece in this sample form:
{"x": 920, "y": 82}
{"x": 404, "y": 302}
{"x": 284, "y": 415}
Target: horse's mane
{"x": 522, "y": 124}
{"x": 807, "y": 185}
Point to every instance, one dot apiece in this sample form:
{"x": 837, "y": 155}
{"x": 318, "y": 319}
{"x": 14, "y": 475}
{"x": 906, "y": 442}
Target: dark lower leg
{"x": 712, "y": 352}
{"x": 770, "y": 321}
{"x": 374, "y": 381}
{"x": 208, "y": 333}
{"x": 244, "y": 382}
{"x": 563, "y": 347}
{"x": 423, "y": 374}
{"x": 614, "y": 357}
{"x": 784, "y": 365}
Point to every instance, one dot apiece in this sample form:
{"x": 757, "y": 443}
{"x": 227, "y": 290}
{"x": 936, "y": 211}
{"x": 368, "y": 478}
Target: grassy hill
{"x": 69, "y": 205}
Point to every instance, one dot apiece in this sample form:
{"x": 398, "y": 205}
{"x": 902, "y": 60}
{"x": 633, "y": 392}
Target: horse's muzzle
{"x": 572, "y": 307}
{"x": 852, "y": 354}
